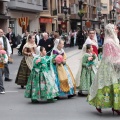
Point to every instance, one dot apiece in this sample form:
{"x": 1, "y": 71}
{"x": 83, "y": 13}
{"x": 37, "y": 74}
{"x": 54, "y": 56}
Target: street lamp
{"x": 65, "y": 9}
{"x": 112, "y": 15}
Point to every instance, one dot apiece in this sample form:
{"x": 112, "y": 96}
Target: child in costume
{"x": 41, "y": 84}
{"x": 64, "y": 77}
{"x": 88, "y": 70}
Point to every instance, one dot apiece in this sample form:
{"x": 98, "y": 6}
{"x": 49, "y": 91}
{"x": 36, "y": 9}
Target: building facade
{"x": 16, "y": 9}
{"x": 3, "y": 14}
{"x": 90, "y": 8}
{"x": 52, "y": 15}
{"x": 107, "y": 6}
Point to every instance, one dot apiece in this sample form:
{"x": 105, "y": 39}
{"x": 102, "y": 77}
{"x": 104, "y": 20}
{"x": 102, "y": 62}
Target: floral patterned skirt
{"x": 41, "y": 86}
{"x": 86, "y": 78}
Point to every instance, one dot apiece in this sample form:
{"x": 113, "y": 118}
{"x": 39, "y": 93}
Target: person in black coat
{"x": 12, "y": 39}
{"x": 80, "y": 39}
{"x": 47, "y": 43}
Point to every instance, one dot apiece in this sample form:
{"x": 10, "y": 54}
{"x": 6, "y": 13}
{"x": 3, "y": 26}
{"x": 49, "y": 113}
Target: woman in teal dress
{"x": 105, "y": 89}
{"x": 88, "y": 70}
{"x": 41, "y": 84}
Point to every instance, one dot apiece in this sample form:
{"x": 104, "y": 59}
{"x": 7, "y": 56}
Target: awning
{"x": 4, "y": 17}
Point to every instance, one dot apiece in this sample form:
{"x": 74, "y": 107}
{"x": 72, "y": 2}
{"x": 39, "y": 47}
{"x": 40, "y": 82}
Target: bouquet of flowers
{"x": 2, "y": 56}
{"x": 59, "y": 59}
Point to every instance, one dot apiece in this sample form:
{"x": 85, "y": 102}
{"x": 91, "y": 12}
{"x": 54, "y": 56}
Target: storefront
{"x": 45, "y": 24}
{"x": 48, "y": 24}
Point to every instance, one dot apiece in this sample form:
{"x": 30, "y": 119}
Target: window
{"x": 12, "y": 24}
{"x": 45, "y": 3}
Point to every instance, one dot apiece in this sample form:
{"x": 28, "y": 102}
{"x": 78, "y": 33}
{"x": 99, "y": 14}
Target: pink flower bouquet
{"x": 59, "y": 59}
{"x": 2, "y": 53}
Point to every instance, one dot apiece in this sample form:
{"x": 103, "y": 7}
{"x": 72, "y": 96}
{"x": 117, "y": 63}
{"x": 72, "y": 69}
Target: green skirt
{"x": 41, "y": 86}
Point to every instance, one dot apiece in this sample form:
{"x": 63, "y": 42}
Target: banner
{"x": 23, "y": 22}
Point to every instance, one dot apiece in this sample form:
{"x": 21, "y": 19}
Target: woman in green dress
{"x": 41, "y": 83}
{"x": 88, "y": 70}
{"x": 105, "y": 89}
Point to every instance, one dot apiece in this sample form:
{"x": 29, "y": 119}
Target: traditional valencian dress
{"x": 87, "y": 73}
{"x": 26, "y": 64}
{"x": 41, "y": 84}
{"x": 105, "y": 89}
{"x": 95, "y": 50}
{"x": 64, "y": 77}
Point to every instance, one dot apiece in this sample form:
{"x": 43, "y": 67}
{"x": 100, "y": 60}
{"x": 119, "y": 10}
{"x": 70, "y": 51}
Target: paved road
{"x": 13, "y": 105}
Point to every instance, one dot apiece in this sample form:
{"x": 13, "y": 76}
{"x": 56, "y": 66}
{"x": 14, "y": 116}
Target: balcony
{"x": 25, "y": 5}
{"x": 75, "y": 16}
{"x": 4, "y": 0}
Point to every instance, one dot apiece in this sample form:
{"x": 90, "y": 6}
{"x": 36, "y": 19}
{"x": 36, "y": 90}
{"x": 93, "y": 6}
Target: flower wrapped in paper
{"x": 3, "y": 57}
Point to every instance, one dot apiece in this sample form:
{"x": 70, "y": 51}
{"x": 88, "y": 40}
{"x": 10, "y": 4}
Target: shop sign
{"x": 45, "y": 20}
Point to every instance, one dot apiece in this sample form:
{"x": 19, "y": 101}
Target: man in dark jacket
{"x": 11, "y": 37}
{"x": 46, "y": 43}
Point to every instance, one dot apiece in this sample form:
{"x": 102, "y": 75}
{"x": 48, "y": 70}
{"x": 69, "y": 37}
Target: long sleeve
{"x": 9, "y": 51}
{"x": 84, "y": 61}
